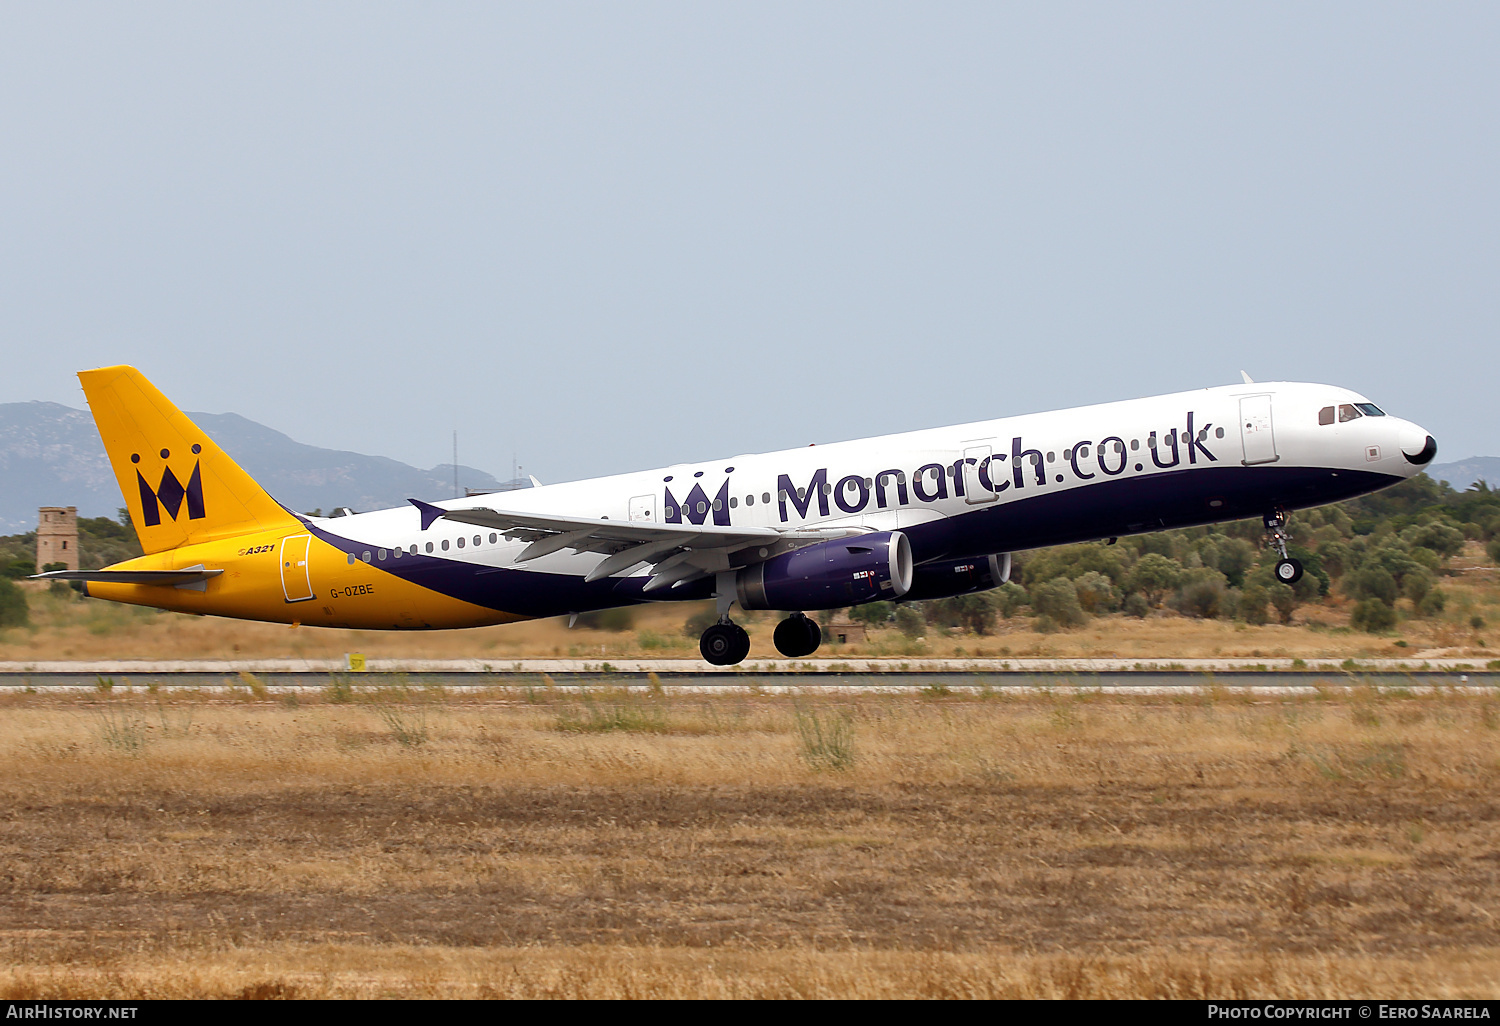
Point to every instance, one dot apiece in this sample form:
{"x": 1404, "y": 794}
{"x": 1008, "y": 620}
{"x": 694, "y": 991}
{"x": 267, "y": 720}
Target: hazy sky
{"x": 617, "y": 235}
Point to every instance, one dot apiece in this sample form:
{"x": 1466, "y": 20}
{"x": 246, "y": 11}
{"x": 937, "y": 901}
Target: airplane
{"x": 918, "y": 515}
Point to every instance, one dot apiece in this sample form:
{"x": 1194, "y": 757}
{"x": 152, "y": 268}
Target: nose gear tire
{"x": 1288, "y": 571}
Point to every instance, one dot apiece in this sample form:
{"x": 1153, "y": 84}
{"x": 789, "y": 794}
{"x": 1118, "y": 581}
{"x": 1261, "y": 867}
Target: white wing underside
{"x": 676, "y": 553}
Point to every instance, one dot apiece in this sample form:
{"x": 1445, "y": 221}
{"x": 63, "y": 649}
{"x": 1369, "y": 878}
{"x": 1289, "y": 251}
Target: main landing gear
{"x": 1288, "y": 570}
{"x": 726, "y": 643}
{"x": 798, "y": 636}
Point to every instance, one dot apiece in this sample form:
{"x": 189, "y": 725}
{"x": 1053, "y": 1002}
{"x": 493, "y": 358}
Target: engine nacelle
{"x": 958, "y": 577}
{"x": 829, "y": 575}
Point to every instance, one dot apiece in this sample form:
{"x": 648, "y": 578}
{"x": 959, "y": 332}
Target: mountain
{"x": 51, "y": 455}
{"x": 1465, "y": 472}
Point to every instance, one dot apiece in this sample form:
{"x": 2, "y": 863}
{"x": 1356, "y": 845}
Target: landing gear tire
{"x": 797, "y": 636}
{"x": 724, "y": 644}
{"x": 1288, "y": 570}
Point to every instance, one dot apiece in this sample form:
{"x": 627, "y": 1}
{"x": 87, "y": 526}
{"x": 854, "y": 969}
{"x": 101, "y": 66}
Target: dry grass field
{"x": 391, "y": 842}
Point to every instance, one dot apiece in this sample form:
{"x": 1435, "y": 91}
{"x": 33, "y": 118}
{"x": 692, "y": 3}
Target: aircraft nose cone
{"x": 1417, "y": 446}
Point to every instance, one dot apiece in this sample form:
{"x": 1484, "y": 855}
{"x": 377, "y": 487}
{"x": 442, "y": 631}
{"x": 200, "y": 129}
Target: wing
{"x": 677, "y": 553}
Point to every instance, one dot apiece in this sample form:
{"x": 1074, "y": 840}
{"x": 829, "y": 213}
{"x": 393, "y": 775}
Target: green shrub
{"x": 1137, "y": 606}
{"x": 19, "y": 568}
{"x": 1153, "y": 576}
{"x": 910, "y": 621}
{"x": 1097, "y": 593}
{"x": 1009, "y": 598}
{"x": 875, "y": 614}
{"x": 1416, "y": 586}
{"x": 1372, "y": 615}
{"x": 1432, "y": 603}
{"x": 1372, "y": 582}
{"x": 14, "y": 612}
{"x": 1203, "y": 598}
{"x": 1284, "y": 598}
{"x": 1252, "y": 605}
{"x": 1058, "y": 599}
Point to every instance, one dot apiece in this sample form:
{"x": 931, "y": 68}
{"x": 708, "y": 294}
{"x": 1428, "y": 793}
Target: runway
{"x": 933, "y": 676}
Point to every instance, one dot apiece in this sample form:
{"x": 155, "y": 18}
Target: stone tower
{"x": 57, "y": 536}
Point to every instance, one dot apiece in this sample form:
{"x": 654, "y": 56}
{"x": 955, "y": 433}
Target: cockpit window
{"x": 1347, "y": 413}
{"x": 1325, "y": 415}
{"x": 1369, "y": 409}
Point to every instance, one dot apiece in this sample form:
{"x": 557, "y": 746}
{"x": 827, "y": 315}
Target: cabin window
{"x": 1052, "y": 457}
{"x": 766, "y": 497}
{"x": 397, "y": 553}
{"x": 702, "y": 508}
{"x": 381, "y": 554}
{"x": 1325, "y": 415}
{"x": 1347, "y": 413}
{"x": 414, "y": 549}
{"x": 1135, "y": 444}
{"x": 827, "y": 488}
{"x": 749, "y": 500}
{"x": 445, "y": 544}
{"x": 366, "y": 556}
{"x": 494, "y": 537}
{"x": 734, "y": 502}
{"x": 1151, "y": 440}
{"x": 429, "y": 546}
{"x": 671, "y": 511}
{"x": 718, "y": 505}
{"x": 476, "y": 540}
{"x": 460, "y": 543}
{"x": 1083, "y": 452}
{"x": 351, "y": 559}
{"x": 1218, "y": 432}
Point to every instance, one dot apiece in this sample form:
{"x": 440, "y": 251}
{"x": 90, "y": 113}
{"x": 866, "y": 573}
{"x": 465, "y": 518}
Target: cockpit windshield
{"x": 1349, "y": 411}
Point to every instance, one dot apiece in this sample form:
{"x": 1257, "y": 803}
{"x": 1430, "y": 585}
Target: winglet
{"x": 428, "y": 510}
{"x": 1248, "y": 379}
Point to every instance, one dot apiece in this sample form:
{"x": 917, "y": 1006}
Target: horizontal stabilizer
{"x": 161, "y": 577}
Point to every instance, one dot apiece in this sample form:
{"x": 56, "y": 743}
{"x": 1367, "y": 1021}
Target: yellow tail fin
{"x": 179, "y": 486}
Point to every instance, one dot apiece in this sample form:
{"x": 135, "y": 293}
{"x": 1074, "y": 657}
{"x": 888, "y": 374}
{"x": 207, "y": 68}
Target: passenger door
{"x": 1256, "y": 432}
{"x": 974, "y": 490}
{"x": 296, "y": 576}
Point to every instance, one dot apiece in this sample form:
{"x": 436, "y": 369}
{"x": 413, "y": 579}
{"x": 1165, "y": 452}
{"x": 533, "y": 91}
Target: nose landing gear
{"x": 798, "y": 636}
{"x": 724, "y": 643}
{"x": 1288, "y": 570}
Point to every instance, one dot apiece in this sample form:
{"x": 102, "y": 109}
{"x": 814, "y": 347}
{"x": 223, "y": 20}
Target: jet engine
{"x": 830, "y": 575}
{"x": 958, "y": 577}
